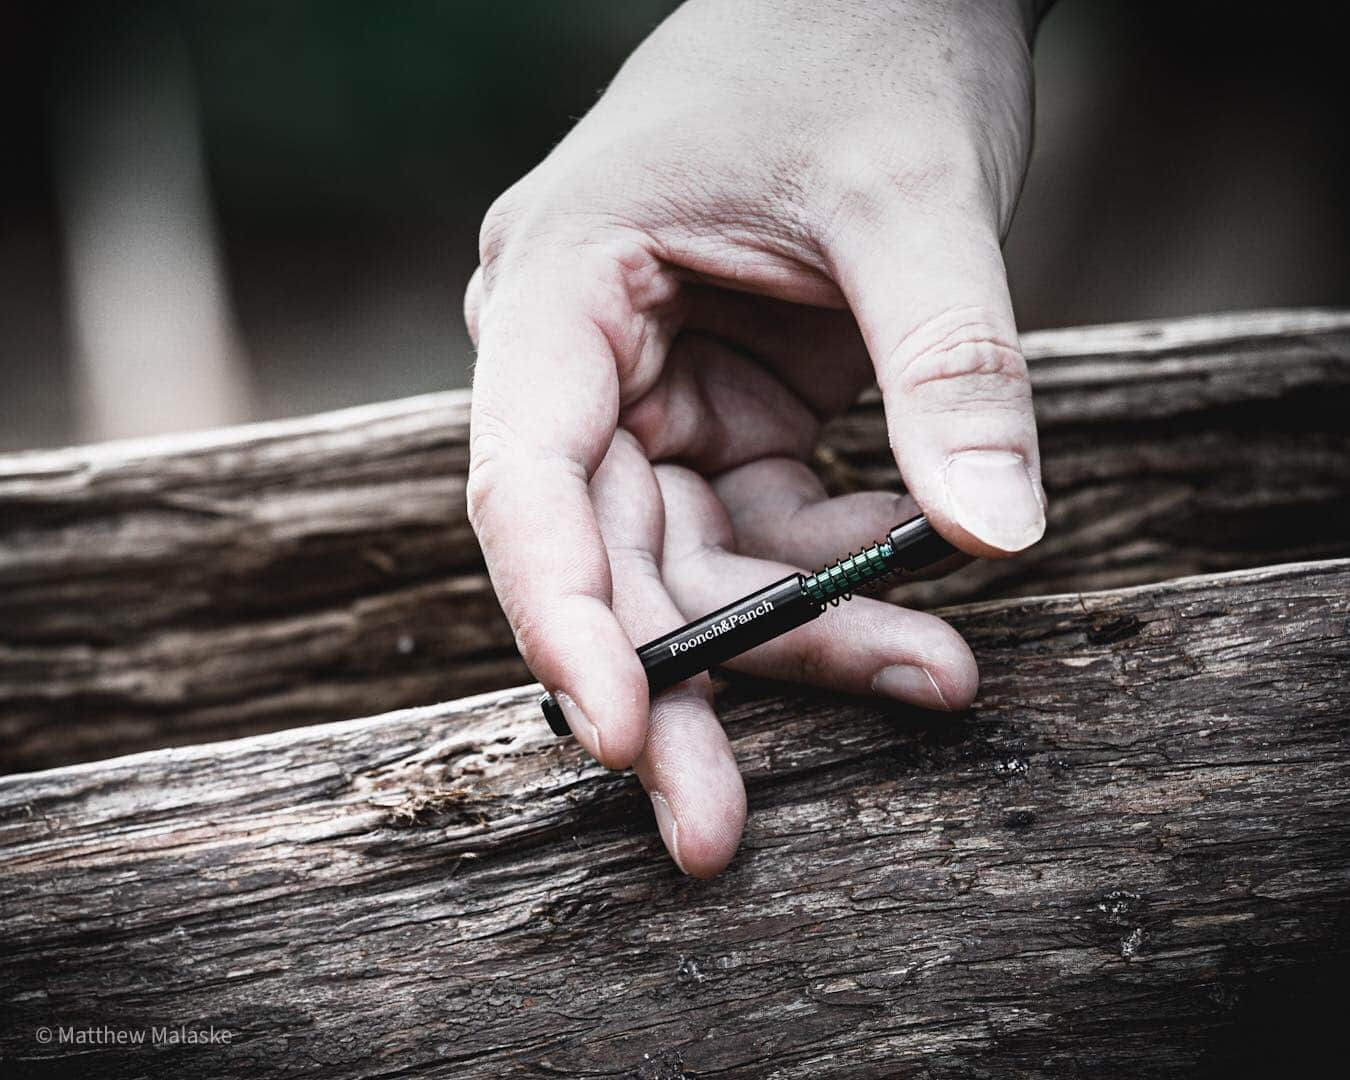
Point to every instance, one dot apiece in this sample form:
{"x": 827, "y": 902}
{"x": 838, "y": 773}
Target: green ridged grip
{"x": 839, "y": 580}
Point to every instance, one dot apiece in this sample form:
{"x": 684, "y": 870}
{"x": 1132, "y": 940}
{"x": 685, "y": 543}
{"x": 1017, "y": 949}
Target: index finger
{"x": 545, "y": 405}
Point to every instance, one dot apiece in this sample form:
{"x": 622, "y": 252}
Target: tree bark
{"x": 1130, "y": 859}
{"x": 185, "y": 588}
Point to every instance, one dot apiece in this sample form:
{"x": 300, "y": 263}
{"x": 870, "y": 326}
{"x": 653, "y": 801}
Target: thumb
{"x": 930, "y": 295}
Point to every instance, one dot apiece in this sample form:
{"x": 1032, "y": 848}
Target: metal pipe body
{"x": 739, "y": 627}
{"x": 774, "y": 610}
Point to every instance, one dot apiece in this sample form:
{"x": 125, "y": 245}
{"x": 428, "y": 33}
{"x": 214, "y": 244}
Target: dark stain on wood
{"x": 1112, "y": 631}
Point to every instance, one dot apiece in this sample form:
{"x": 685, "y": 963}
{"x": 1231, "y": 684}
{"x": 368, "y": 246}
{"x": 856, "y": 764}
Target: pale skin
{"x": 774, "y": 205}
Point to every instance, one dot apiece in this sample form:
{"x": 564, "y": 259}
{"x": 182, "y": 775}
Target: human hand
{"x": 772, "y": 205}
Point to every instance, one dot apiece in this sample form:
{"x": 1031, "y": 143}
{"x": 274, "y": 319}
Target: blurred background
{"x": 212, "y": 213}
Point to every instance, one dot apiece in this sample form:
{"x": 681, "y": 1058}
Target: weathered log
{"x": 1103, "y": 869}
{"x": 178, "y": 589}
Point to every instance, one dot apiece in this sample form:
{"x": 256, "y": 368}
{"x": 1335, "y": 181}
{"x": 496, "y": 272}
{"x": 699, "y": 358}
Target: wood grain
{"x": 185, "y": 588}
{"x": 1131, "y": 859}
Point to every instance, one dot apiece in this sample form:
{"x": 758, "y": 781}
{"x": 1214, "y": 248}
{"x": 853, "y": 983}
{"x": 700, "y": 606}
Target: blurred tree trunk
{"x": 155, "y": 341}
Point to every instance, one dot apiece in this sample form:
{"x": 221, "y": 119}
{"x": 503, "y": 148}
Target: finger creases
{"x": 931, "y": 297}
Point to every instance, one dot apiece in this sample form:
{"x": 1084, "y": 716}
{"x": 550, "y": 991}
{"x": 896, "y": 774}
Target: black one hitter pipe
{"x": 774, "y": 610}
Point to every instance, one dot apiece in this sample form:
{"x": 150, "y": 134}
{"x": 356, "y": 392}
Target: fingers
{"x": 748, "y": 377}
{"x": 796, "y": 341}
{"x": 780, "y": 510}
{"x": 546, "y": 395}
{"x": 715, "y": 407}
{"x": 930, "y": 295}
{"x": 863, "y": 646}
{"x": 691, "y": 776}
{"x": 687, "y": 765}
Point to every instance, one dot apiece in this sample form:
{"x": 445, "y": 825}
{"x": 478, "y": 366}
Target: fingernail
{"x": 994, "y": 498}
{"x": 909, "y": 683}
{"x": 670, "y": 828}
{"x": 587, "y": 733}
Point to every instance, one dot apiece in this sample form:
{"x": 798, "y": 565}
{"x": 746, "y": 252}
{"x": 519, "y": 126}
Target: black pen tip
{"x": 554, "y": 715}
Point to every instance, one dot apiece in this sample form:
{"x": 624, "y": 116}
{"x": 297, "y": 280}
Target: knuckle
{"x": 633, "y": 562}
{"x": 477, "y": 495}
{"x": 976, "y": 358}
{"x": 489, "y": 442}
{"x": 556, "y": 212}
{"x": 527, "y": 636}
{"x": 863, "y": 181}
{"x": 971, "y": 364}
{"x": 499, "y": 224}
